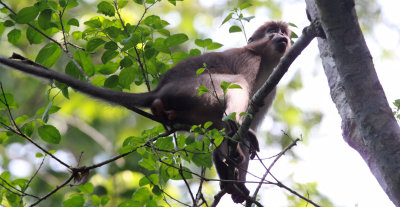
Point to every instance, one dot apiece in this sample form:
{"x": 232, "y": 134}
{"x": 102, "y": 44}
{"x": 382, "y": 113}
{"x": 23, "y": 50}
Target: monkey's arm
{"x": 128, "y": 100}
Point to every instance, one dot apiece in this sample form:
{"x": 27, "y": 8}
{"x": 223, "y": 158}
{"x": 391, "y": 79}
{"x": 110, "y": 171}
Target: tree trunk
{"x": 368, "y": 123}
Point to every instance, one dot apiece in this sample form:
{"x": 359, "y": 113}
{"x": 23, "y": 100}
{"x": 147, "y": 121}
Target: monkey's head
{"x": 272, "y": 39}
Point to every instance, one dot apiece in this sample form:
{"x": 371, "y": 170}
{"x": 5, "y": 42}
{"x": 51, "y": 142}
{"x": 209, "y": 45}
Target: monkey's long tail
{"x": 128, "y": 100}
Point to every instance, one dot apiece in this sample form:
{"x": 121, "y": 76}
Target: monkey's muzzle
{"x": 280, "y": 44}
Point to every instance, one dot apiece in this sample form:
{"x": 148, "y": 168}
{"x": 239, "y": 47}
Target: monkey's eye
{"x": 250, "y": 40}
{"x": 273, "y": 30}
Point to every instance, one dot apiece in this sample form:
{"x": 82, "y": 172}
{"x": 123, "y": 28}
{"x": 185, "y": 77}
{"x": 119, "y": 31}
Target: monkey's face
{"x": 280, "y": 43}
{"x": 272, "y": 39}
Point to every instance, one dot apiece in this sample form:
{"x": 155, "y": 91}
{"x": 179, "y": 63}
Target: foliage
{"x": 108, "y": 51}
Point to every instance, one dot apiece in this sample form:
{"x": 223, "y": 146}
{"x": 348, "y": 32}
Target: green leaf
{"x": 95, "y": 200}
{"x": 106, "y": 9}
{"x": 111, "y": 45}
{"x": 21, "y": 119}
{"x": 155, "y": 22}
{"x": 245, "y": 5}
{"x": 44, "y": 19}
{"x": 39, "y": 155}
{"x": 203, "y": 43}
{"x": 28, "y": 128}
{"x": 179, "y": 56}
{"x": 13, "y": 36}
{"x": 93, "y": 23}
{"x": 9, "y": 23}
{"x": 48, "y": 55}
{"x": 202, "y": 90}
{"x": 202, "y": 160}
{"x": 73, "y": 22}
{"x": 231, "y": 116}
{"x": 214, "y": 46}
{"x": 108, "y": 68}
{"x": 122, "y": 3}
{"x": 33, "y": 36}
{"x": 152, "y": 179}
{"x": 234, "y": 28}
{"x": 73, "y": 71}
{"x": 126, "y": 62}
{"x": 86, "y": 188}
{"x": 75, "y": 200}
{"x": 4, "y": 121}
{"x": 176, "y": 39}
{"x": 292, "y": 24}
{"x": 9, "y": 98}
{"x": 49, "y": 134}
{"x": 142, "y": 195}
{"x": 130, "y": 204}
{"x": 77, "y": 35}
{"x": 98, "y": 81}
{"x": 109, "y": 55}
{"x": 93, "y": 44}
{"x": 134, "y": 141}
{"x": 227, "y": 18}
{"x": 2, "y": 28}
{"x": 148, "y": 164}
{"x": 207, "y": 124}
{"x": 138, "y": 1}
{"x": 111, "y": 81}
{"x": 235, "y": 86}
{"x": 248, "y": 18}
{"x": 27, "y": 14}
{"x": 194, "y": 52}
{"x": 45, "y": 116}
{"x": 85, "y": 61}
{"x": 224, "y": 86}
{"x": 53, "y": 109}
{"x": 126, "y": 77}
{"x": 165, "y": 143}
{"x": 200, "y": 71}
{"x": 159, "y": 45}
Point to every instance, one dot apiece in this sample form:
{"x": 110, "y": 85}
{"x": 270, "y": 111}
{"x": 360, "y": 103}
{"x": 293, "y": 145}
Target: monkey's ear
{"x": 250, "y": 40}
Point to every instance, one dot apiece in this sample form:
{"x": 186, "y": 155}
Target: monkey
{"x": 175, "y": 97}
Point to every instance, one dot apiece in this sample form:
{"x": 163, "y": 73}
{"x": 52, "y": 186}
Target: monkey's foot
{"x": 158, "y": 109}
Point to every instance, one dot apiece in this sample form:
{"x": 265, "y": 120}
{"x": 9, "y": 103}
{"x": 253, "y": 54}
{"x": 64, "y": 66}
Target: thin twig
{"x": 18, "y": 132}
{"x": 270, "y": 167}
{"x": 53, "y": 191}
{"x": 30, "y": 180}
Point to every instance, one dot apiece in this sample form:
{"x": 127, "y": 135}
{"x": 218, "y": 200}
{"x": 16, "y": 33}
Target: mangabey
{"x": 175, "y": 98}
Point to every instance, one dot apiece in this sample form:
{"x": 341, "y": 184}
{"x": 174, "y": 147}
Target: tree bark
{"x": 368, "y": 123}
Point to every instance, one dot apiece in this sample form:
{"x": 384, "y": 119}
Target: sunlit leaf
{"x": 234, "y": 28}
{"x": 44, "y": 19}
{"x": 73, "y": 22}
{"x": 49, "y": 134}
{"x": 48, "y": 55}
{"x": 176, "y": 39}
{"x": 85, "y": 61}
{"x": 109, "y": 55}
{"x": 203, "y": 43}
{"x": 227, "y": 18}
{"x": 75, "y": 200}
{"x": 106, "y": 8}
{"x": 27, "y": 14}
{"x": 245, "y": 5}
{"x": 126, "y": 77}
{"x": 13, "y": 36}
{"x": 94, "y": 44}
